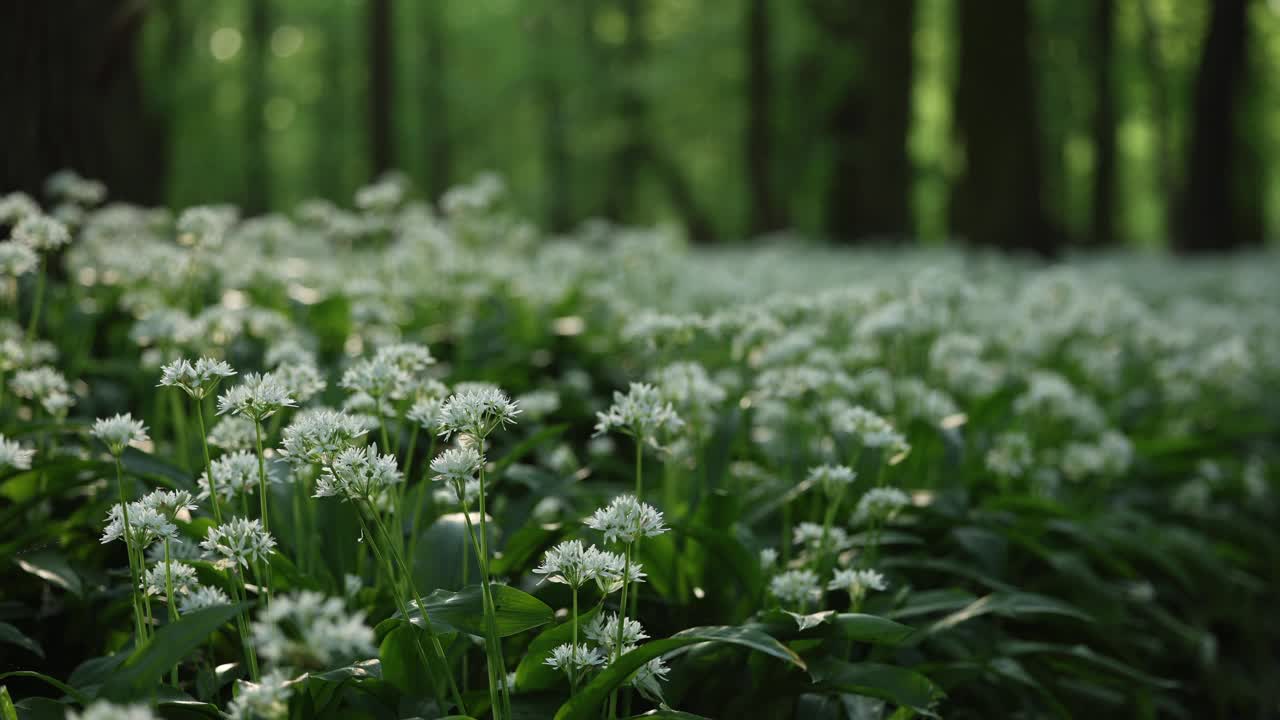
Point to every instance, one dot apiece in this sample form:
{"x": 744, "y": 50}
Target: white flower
{"x": 69, "y": 186}
{"x": 257, "y": 398}
{"x": 539, "y": 404}
{"x": 309, "y": 631}
{"x": 13, "y": 455}
{"x": 205, "y": 226}
{"x": 196, "y": 379}
{"x": 233, "y": 474}
{"x": 426, "y": 413}
{"x": 15, "y": 206}
{"x": 265, "y": 700}
{"x": 103, "y": 710}
{"x": 610, "y": 568}
{"x": 879, "y": 505}
{"x": 319, "y": 436}
{"x": 809, "y": 533}
{"x": 857, "y": 582}
{"x": 169, "y": 503}
{"x": 626, "y": 520}
{"x": 378, "y": 377}
{"x": 358, "y": 474}
{"x": 871, "y": 430}
{"x": 17, "y": 259}
{"x": 832, "y": 478}
{"x": 477, "y": 411}
{"x": 650, "y": 673}
{"x": 573, "y": 658}
{"x": 302, "y": 381}
{"x": 41, "y": 233}
{"x": 641, "y": 412}
{"x": 180, "y": 548}
{"x": 796, "y": 587}
{"x": 146, "y": 525}
{"x": 768, "y": 558}
{"x": 1011, "y": 455}
{"x": 239, "y": 541}
{"x": 44, "y": 385}
{"x": 182, "y": 575}
{"x": 603, "y": 630}
{"x": 232, "y": 433}
{"x": 569, "y": 563}
{"x": 448, "y": 494}
{"x": 201, "y": 597}
{"x": 457, "y": 464}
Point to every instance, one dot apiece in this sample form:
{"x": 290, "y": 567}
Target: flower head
{"x": 258, "y": 397}
{"x": 17, "y": 259}
{"x": 574, "y": 658}
{"x": 146, "y": 525}
{"x": 103, "y": 710}
{"x": 319, "y": 436}
{"x": 201, "y": 597}
{"x": 626, "y": 519}
{"x": 44, "y": 385}
{"x": 264, "y": 700}
{"x": 457, "y": 465}
{"x": 377, "y": 377}
{"x": 14, "y": 456}
{"x": 233, "y": 474}
{"x": 41, "y": 233}
{"x": 857, "y": 582}
{"x": 181, "y": 575}
{"x": 603, "y": 630}
{"x": 477, "y": 411}
{"x": 232, "y": 433}
{"x": 833, "y": 479}
{"x": 880, "y": 505}
{"x": 169, "y": 503}
{"x": 569, "y": 563}
{"x": 641, "y": 412}
{"x": 196, "y": 379}
{"x": 425, "y": 412}
{"x": 358, "y": 474}
{"x": 239, "y": 541}
{"x": 796, "y": 587}
{"x": 309, "y": 631}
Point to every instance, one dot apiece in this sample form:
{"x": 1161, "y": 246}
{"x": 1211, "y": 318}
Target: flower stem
{"x": 37, "y": 302}
{"x": 139, "y": 628}
{"x": 241, "y": 594}
{"x": 573, "y": 671}
{"x": 491, "y": 624}
{"x": 168, "y": 601}
{"x": 263, "y": 489}
{"x": 208, "y": 464}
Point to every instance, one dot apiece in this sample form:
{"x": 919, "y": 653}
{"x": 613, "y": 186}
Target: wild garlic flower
{"x": 41, "y": 233}
{"x": 880, "y": 505}
{"x": 412, "y": 358}
{"x": 182, "y": 575}
{"x": 603, "y": 630}
{"x": 103, "y": 710}
{"x": 690, "y": 388}
{"x": 14, "y": 456}
{"x": 69, "y": 186}
{"x": 267, "y": 699}
{"x": 119, "y": 432}
{"x": 146, "y": 525}
{"x": 538, "y": 404}
{"x": 319, "y": 436}
{"x": 649, "y": 674}
{"x": 833, "y": 479}
{"x": 238, "y": 541}
{"x": 610, "y": 571}
{"x": 457, "y": 464}
{"x": 302, "y": 381}
{"x": 169, "y": 503}
{"x": 768, "y": 558}
{"x": 377, "y": 377}
{"x": 17, "y": 259}
{"x": 811, "y": 535}
{"x": 16, "y": 206}
{"x": 425, "y": 412}
{"x": 448, "y": 494}
{"x": 796, "y": 588}
{"x": 358, "y": 474}
{"x": 870, "y": 429}
{"x": 257, "y": 398}
{"x": 180, "y": 548}
{"x": 477, "y": 411}
{"x": 232, "y": 433}
{"x": 201, "y": 597}
{"x": 570, "y": 563}
{"x": 205, "y": 226}
{"x": 45, "y": 385}
{"x": 641, "y": 412}
{"x": 310, "y": 631}
{"x": 857, "y": 582}
{"x": 574, "y": 658}
{"x": 233, "y": 474}
{"x": 196, "y": 379}
{"x": 1011, "y": 455}
{"x": 625, "y": 519}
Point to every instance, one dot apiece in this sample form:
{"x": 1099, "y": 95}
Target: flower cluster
{"x": 625, "y": 519}
{"x": 239, "y": 541}
{"x": 319, "y": 436}
{"x": 260, "y": 396}
{"x": 476, "y": 411}
{"x": 14, "y": 456}
{"x": 196, "y": 379}
{"x": 641, "y": 412}
{"x": 358, "y": 474}
{"x": 309, "y": 631}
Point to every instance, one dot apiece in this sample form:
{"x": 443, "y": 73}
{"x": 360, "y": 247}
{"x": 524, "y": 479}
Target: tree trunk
{"x": 257, "y": 166}
{"x": 997, "y": 200}
{"x": 1104, "y": 127}
{"x": 870, "y": 188}
{"x": 1156, "y": 78}
{"x": 74, "y": 99}
{"x": 765, "y": 207}
{"x": 1209, "y": 222}
{"x": 381, "y": 82}
{"x": 632, "y": 108}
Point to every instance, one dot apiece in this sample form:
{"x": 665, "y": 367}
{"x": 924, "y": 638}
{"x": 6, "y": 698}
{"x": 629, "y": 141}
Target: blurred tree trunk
{"x": 997, "y": 200}
{"x": 329, "y": 157}
{"x": 1210, "y": 219}
{"x": 381, "y": 84}
{"x": 555, "y": 146}
{"x": 765, "y": 204}
{"x": 257, "y": 50}
{"x": 1104, "y": 126}
{"x": 73, "y": 98}
{"x": 439, "y": 152}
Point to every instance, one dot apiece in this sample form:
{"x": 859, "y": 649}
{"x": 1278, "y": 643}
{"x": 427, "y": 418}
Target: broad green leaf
{"x": 52, "y": 567}
{"x": 75, "y": 694}
{"x": 1108, "y": 665}
{"x": 402, "y": 664}
{"x": 13, "y": 636}
{"x": 871, "y": 629}
{"x": 167, "y": 647}
{"x": 927, "y": 602}
{"x": 7, "y": 710}
{"x": 897, "y": 685}
{"x": 41, "y": 708}
{"x": 533, "y": 673}
{"x": 437, "y": 559}
{"x": 514, "y": 611}
{"x": 587, "y": 702}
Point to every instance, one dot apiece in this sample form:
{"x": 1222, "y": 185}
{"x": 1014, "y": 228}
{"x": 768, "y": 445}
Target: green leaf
{"x": 897, "y": 685}
{"x": 667, "y": 715}
{"x": 14, "y": 636}
{"x": 171, "y": 643}
{"x": 1082, "y": 653}
{"x": 437, "y": 559}
{"x": 872, "y": 629}
{"x": 586, "y": 703}
{"x": 927, "y": 602}
{"x": 402, "y": 665}
{"x": 514, "y": 611}
{"x": 1011, "y": 605}
{"x": 7, "y": 710}
{"x": 75, "y": 694}
{"x": 533, "y": 673}
{"x": 53, "y": 568}
{"x": 526, "y": 446}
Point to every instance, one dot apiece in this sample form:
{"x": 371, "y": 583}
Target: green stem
{"x": 37, "y": 302}
{"x": 168, "y": 600}
{"x": 180, "y": 431}
{"x": 128, "y": 548}
{"x": 573, "y": 671}
{"x": 491, "y": 625}
{"x": 263, "y": 489}
{"x": 208, "y": 464}
{"x": 639, "y": 469}
{"x": 241, "y": 593}
{"x": 490, "y": 666}
{"x": 622, "y": 622}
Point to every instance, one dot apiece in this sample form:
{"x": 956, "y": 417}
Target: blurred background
{"x": 1043, "y": 125}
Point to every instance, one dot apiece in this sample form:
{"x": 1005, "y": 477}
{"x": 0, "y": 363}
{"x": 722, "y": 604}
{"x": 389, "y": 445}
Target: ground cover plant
{"x": 394, "y": 461}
